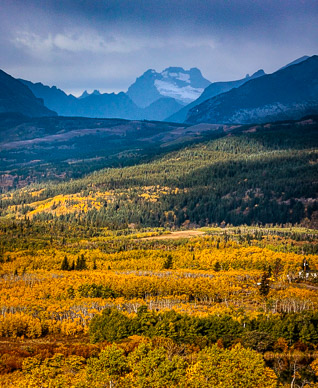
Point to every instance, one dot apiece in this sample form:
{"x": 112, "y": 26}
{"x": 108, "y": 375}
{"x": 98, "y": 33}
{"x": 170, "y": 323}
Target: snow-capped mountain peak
{"x": 184, "y": 86}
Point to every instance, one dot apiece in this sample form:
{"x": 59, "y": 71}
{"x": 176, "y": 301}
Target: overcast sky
{"x": 106, "y": 44}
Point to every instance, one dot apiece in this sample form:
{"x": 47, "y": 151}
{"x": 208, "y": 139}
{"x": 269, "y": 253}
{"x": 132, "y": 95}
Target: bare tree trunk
{"x": 292, "y": 384}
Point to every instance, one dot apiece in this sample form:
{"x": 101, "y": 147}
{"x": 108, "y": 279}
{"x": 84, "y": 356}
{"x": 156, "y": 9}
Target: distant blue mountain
{"x": 289, "y": 93}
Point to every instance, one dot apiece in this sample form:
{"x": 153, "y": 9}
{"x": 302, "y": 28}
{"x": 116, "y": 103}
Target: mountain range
{"x": 178, "y": 95}
{"x": 153, "y": 96}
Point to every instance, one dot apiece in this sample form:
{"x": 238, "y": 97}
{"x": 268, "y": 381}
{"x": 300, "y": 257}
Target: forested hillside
{"x": 260, "y": 174}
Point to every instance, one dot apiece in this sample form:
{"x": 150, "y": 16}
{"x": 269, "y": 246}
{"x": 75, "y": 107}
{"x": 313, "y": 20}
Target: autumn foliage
{"x": 84, "y": 306}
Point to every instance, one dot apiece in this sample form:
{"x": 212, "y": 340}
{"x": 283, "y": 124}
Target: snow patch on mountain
{"x": 184, "y": 77}
{"x": 185, "y": 94}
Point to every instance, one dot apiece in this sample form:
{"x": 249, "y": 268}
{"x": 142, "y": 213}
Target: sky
{"x": 107, "y": 44}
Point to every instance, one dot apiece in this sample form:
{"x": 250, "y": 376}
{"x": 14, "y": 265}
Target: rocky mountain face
{"x": 212, "y": 90}
{"x": 289, "y": 93}
{"x": 16, "y": 97}
{"x": 184, "y": 86}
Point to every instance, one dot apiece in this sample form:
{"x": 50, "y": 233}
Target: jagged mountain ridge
{"x": 289, "y": 93}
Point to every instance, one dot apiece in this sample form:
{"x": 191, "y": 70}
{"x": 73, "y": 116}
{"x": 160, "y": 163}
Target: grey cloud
{"x": 106, "y": 44}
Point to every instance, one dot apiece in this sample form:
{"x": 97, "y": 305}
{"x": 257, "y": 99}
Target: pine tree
{"x": 81, "y": 263}
{"x": 65, "y": 266}
{"x": 217, "y": 266}
{"x": 168, "y": 263}
{"x": 264, "y": 286}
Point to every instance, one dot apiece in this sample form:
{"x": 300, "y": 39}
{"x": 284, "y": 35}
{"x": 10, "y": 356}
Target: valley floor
{"x": 84, "y": 306}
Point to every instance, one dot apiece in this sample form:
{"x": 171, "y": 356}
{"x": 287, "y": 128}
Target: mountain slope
{"x": 16, "y": 97}
{"x": 289, "y": 93}
{"x": 183, "y": 85}
{"x": 212, "y": 90}
{"x": 296, "y": 61}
